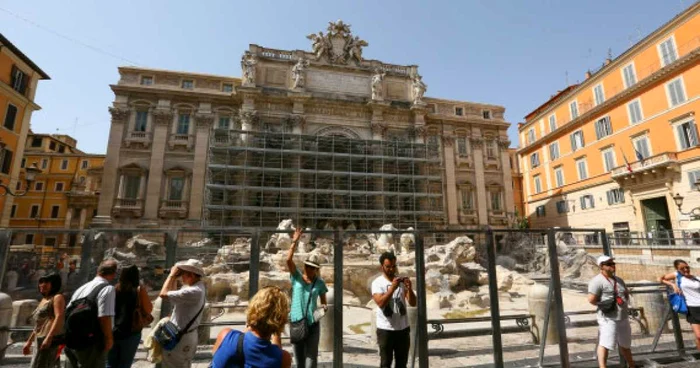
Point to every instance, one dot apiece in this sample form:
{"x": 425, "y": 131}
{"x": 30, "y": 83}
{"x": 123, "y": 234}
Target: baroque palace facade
{"x": 326, "y": 138}
{"x": 618, "y": 150}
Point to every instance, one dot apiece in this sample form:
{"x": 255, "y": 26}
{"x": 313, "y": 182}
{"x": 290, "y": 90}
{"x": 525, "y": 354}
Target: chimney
{"x": 588, "y": 74}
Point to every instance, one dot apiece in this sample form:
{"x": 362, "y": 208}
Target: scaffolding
{"x": 259, "y": 178}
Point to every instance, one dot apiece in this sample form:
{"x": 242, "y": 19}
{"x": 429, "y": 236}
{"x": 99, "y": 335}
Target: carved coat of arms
{"x": 338, "y": 45}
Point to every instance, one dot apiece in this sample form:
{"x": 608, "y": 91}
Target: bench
{"x": 522, "y": 324}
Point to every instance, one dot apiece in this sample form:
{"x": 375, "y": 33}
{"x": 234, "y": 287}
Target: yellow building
{"x": 64, "y": 195}
{"x": 19, "y": 77}
{"x": 612, "y": 151}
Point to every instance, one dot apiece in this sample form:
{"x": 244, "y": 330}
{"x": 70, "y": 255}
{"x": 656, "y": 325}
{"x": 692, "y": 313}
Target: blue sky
{"x": 513, "y": 53}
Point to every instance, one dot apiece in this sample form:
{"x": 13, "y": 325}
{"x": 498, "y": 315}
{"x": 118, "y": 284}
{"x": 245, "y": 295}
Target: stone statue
{"x": 354, "y": 48}
{"x": 299, "y": 73}
{"x": 248, "y": 62}
{"x": 419, "y": 89}
{"x": 377, "y": 85}
{"x": 320, "y": 44}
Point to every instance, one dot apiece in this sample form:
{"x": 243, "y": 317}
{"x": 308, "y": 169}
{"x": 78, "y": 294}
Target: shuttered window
{"x": 603, "y": 127}
{"x": 10, "y": 117}
{"x": 687, "y": 134}
{"x": 577, "y": 141}
{"x": 668, "y": 52}
{"x": 676, "y": 95}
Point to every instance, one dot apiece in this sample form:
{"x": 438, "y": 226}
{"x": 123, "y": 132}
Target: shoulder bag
{"x": 677, "y": 301}
{"x": 168, "y": 335}
{"x": 610, "y": 305}
{"x": 140, "y": 318}
{"x": 299, "y": 330}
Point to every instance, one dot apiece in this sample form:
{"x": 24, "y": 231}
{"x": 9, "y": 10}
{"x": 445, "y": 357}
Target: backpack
{"x": 82, "y": 326}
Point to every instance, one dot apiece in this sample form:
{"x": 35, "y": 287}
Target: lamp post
{"x": 30, "y": 174}
{"x": 678, "y": 199}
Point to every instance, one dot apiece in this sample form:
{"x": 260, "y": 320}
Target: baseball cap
{"x": 603, "y": 259}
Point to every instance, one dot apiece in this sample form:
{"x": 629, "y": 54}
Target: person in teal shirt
{"x": 306, "y": 287}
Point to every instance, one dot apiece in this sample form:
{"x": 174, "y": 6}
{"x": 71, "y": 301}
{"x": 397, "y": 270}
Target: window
{"x": 61, "y": 148}
{"x": 64, "y": 165}
{"x": 132, "y": 186}
{"x": 462, "y": 147}
{"x": 539, "y": 211}
{"x": 459, "y": 111}
{"x": 44, "y": 163}
{"x": 467, "y": 203}
{"x": 10, "y": 116}
{"x": 629, "y": 75}
{"x": 615, "y": 196}
{"x": 224, "y": 122}
{"x": 608, "y": 159}
{"x": 641, "y": 147}
{"x": 227, "y": 87}
{"x": 496, "y": 201}
{"x": 582, "y": 169}
{"x": 530, "y": 135}
{"x": 146, "y": 80}
{"x": 598, "y": 94}
{"x": 559, "y": 176}
{"x": 603, "y": 127}
{"x": 486, "y": 114}
{"x": 13, "y": 211}
{"x": 52, "y": 146}
{"x": 693, "y": 176}
{"x": 39, "y": 186}
{"x": 176, "y": 189}
{"x": 634, "y": 110}
{"x": 553, "y": 151}
{"x": 573, "y": 109}
{"x": 576, "y": 140}
{"x": 674, "y": 90}
{"x": 34, "y": 211}
{"x": 54, "y": 211}
{"x": 587, "y": 201}
{"x": 535, "y": 160}
{"x": 50, "y": 242}
{"x": 59, "y": 186}
{"x": 562, "y": 206}
{"x": 490, "y": 150}
{"x": 24, "y": 163}
{"x": 687, "y": 134}
{"x": 183, "y": 124}
{"x": 538, "y": 184}
{"x": 188, "y": 84}
{"x": 29, "y": 239}
{"x": 141, "y": 121}
{"x": 18, "y": 80}
{"x": 37, "y": 141}
{"x": 667, "y": 50}
{"x": 84, "y": 164}
{"x": 552, "y": 123}
{"x": 6, "y": 163}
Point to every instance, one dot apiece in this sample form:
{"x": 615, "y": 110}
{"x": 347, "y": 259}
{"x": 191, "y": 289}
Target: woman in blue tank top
{"x": 266, "y": 317}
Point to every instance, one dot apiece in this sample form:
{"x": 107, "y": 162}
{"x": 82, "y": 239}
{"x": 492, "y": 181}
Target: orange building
{"x": 517, "y": 182}
{"x": 64, "y": 195}
{"x": 612, "y": 151}
{"x": 19, "y": 77}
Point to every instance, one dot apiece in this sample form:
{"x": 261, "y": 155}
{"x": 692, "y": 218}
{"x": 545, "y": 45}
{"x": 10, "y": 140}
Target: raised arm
{"x": 669, "y": 279}
{"x": 383, "y": 299}
{"x": 290, "y": 256}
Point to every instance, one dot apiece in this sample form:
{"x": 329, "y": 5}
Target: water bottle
{"x": 319, "y": 313}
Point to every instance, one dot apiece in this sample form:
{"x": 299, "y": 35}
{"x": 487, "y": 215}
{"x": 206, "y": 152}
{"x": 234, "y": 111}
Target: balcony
{"x": 134, "y": 137}
{"x": 185, "y": 140}
{"x": 127, "y": 207}
{"x": 651, "y": 165}
{"x": 498, "y": 217}
{"x": 173, "y": 209}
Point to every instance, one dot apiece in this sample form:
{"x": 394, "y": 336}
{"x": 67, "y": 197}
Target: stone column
{"x": 120, "y": 117}
{"x": 162, "y": 117}
{"x": 83, "y": 218}
{"x": 509, "y": 201}
{"x": 204, "y": 122}
{"x": 477, "y": 147}
{"x": 412, "y": 313}
{"x": 450, "y": 197}
{"x": 5, "y": 321}
{"x": 327, "y": 325}
{"x": 66, "y": 225}
{"x": 377, "y": 124}
{"x": 537, "y": 306}
{"x": 419, "y": 113}
{"x": 248, "y": 114}
{"x": 248, "y": 120}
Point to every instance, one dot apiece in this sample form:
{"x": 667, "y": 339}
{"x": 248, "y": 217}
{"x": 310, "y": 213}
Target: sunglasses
{"x": 608, "y": 264}
{"x": 685, "y": 268}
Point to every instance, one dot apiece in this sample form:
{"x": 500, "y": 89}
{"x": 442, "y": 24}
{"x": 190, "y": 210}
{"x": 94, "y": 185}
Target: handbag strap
{"x": 185, "y": 330}
{"x": 311, "y": 293}
{"x": 240, "y": 355}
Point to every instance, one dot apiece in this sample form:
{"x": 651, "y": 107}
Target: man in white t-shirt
{"x": 391, "y": 292}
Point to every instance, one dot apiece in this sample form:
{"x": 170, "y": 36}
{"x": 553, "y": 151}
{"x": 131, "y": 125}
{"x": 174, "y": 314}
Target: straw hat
{"x": 314, "y": 261}
{"x": 191, "y": 265}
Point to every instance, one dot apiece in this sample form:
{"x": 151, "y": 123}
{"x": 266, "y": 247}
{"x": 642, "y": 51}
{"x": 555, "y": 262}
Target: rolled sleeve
{"x": 185, "y": 295}
{"x": 105, "y": 302}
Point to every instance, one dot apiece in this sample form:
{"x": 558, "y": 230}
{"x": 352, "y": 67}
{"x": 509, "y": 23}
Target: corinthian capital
{"x": 120, "y": 114}
{"x": 204, "y": 120}
{"x": 378, "y": 128}
{"x": 477, "y": 142}
{"x": 448, "y": 140}
{"x": 296, "y": 120}
{"x": 162, "y": 117}
{"x": 504, "y": 144}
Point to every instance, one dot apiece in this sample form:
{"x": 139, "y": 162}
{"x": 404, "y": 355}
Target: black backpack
{"x": 82, "y": 326}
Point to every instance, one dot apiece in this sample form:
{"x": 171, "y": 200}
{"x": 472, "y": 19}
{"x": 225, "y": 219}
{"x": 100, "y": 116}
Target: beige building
{"x": 326, "y": 138}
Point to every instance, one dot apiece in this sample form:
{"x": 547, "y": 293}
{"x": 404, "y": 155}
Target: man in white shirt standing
{"x": 390, "y": 292}
{"x": 96, "y": 354}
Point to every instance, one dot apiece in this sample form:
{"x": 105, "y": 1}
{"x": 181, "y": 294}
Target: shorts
{"x": 693, "y": 315}
{"x": 612, "y": 333}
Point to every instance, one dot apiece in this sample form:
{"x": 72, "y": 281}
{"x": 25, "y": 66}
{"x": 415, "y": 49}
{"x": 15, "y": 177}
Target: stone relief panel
{"x": 129, "y": 78}
{"x": 325, "y": 81}
{"x": 396, "y": 90}
{"x": 275, "y": 76}
{"x": 338, "y": 111}
{"x": 208, "y": 84}
{"x": 168, "y": 80}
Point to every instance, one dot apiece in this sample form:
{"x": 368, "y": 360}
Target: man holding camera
{"x": 611, "y": 297}
{"x": 390, "y": 292}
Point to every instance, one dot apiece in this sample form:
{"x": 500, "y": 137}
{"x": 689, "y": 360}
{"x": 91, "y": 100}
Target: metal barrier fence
{"x": 489, "y": 321}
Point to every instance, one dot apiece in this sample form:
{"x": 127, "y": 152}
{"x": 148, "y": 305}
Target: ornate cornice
{"x": 120, "y": 114}
{"x": 378, "y": 128}
{"x": 476, "y": 142}
{"x": 204, "y": 120}
{"x": 162, "y": 117}
{"x": 448, "y": 140}
{"x": 296, "y": 120}
{"x": 249, "y": 117}
{"x": 504, "y": 143}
